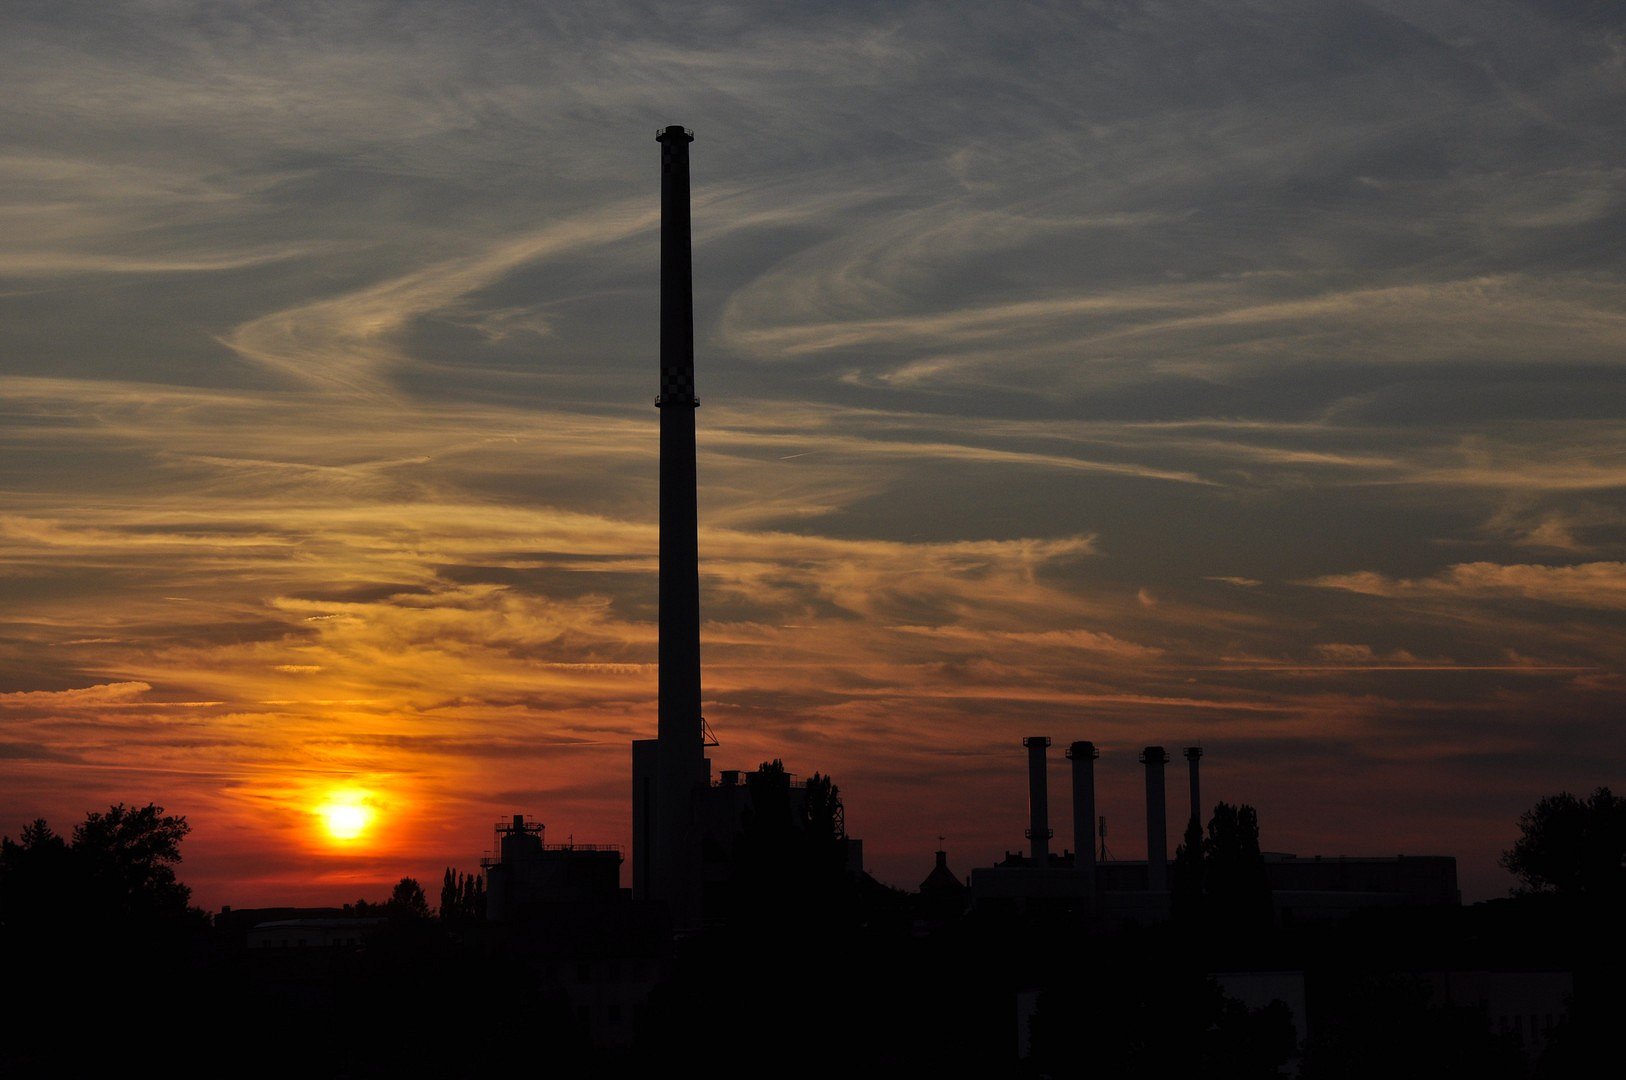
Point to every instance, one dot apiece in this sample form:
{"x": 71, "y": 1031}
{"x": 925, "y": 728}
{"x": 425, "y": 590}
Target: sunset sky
{"x": 1250, "y": 374}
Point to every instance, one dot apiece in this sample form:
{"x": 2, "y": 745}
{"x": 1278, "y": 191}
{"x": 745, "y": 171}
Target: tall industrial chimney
{"x": 1038, "y": 799}
{"x": 1083, "y": 755}
{"x": 1157, "y": 826}
{"x": 1193, "y": 755}
{"x": 680, "y": 731}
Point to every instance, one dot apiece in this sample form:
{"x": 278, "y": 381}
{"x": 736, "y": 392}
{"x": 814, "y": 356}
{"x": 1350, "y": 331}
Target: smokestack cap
{"x": 1194, "y": 752}
{"x": 1036, "y": 740}
{"x": 1083, "y": 750}
{"x": 1153, "y": 755}
{"x": 675, "y": 131}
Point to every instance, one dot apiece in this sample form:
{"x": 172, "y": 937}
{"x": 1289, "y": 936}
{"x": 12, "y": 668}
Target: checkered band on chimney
{"x": 677, "y": 387}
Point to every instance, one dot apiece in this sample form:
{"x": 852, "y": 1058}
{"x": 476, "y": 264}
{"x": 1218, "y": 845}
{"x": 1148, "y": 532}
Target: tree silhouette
{"x": 99, "y": 918}
{"x": 33, "y": 874}
{"x": 1187, "y": 893}
{"x": 118, "y": 873}
{"x": 1572, "y": 846}
{"x": 462, "y": 897}
{"x": 1236, "y": 890}
{"x": 823, "y": 827}
{"x": 130, "y": 856}
{"x": 1220, "y": 878}
{"x": 407, "y": 900}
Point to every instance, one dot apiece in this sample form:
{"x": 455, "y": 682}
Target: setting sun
{"x": 346, "y": 817}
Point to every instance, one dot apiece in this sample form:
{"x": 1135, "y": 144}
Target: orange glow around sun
{"x": 347, "y": 816}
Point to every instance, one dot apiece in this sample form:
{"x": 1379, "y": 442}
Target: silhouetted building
{"x": 727, "y": 810}
{"x": 943, "y": 896}
{"x": 941, "y": 881}
{"x": 527, "y": 873}
{"x": 312, "y": 933}
{"x": 1301, "y": 889}
{"x": 295, "y": 927}
{"x": 560, "y": 911}
{"x": 1317, "y": 887}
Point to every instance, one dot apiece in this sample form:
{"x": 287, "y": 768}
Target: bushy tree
{"x": 1572, "y": 846}
{"x": 118, "y": 871}
{"x": 407, "y": 900}
{"x": 131, "y": 854}
{"x": 99, "y": 919}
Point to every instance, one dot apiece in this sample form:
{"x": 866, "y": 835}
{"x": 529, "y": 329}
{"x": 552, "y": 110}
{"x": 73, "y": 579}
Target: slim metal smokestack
{"x": 1083, "y": 755}
{"x": 680, "y": 732}
{"x": 1193, "y": 755}
{"x": 1038, "y": 799}
{"x": 1157, "y": 826}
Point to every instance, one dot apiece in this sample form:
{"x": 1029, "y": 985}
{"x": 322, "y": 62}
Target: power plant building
{"x": 1082, "y": 879}
{"x": 526, "y": 874}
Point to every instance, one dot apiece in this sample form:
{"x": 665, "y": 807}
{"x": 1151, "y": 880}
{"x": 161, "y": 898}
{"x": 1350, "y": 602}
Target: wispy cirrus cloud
{"x": 345, "y": 342}
{"x": 1587, "y": 585}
